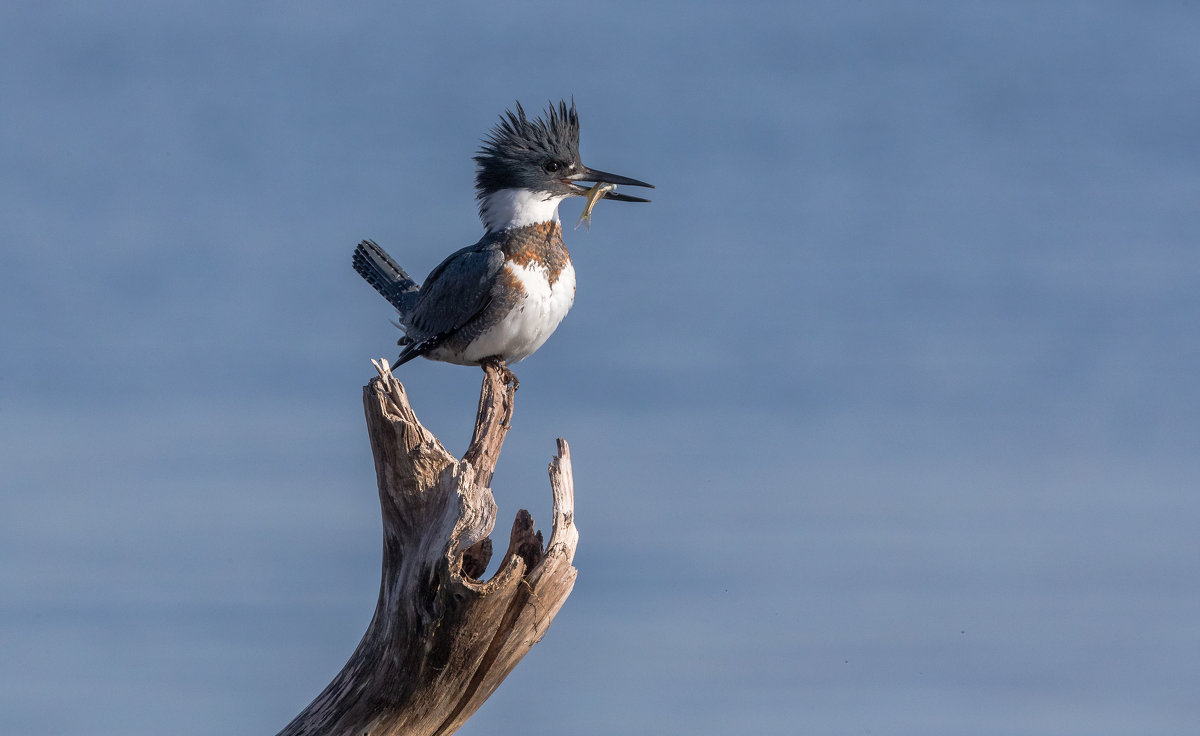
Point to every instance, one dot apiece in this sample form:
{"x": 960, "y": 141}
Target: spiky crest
{"x": 512, "y": 154}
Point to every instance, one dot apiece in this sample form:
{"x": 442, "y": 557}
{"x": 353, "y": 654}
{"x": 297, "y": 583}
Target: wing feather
{"x": 454, "y": 293}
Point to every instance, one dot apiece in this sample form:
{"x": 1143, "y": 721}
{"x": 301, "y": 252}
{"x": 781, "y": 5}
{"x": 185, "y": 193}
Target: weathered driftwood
{"x": 441, "y": 641}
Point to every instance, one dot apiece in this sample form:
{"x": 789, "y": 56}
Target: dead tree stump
{"x": 441, "y": 641}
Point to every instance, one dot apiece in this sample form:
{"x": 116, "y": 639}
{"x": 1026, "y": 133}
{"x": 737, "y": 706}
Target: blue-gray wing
{"x": 454, "y": 294}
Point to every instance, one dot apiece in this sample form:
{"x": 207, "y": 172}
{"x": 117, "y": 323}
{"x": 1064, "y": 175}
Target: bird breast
{"x": 539, "y": 303}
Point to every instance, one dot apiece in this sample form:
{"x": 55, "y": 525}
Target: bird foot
{"x": 505, "y": 374}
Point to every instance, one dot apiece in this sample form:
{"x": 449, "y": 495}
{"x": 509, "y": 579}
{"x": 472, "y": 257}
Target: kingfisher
{"x": 501, "y": 298}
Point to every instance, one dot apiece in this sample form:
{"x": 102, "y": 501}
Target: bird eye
{"x": 552, "y": 166}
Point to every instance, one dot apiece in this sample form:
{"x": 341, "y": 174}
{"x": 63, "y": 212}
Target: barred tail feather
{"x": 380, "y": 271}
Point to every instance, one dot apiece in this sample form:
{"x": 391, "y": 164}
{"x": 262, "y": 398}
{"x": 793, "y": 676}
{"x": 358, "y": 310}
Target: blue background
{"x": 885, "y": 413}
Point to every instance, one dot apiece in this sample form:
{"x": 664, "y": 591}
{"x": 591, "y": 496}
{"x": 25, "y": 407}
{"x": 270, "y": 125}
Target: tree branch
{"x": 442, "y": 641}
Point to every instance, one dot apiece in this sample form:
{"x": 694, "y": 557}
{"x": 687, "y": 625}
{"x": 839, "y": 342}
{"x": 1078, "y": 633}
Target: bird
{"x": 501, "y": 298}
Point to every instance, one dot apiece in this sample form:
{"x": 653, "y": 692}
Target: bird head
{"x": 539, "y": 157}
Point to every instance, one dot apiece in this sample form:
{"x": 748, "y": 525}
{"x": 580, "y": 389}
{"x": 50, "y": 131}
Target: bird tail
{"x": 380, "y": 271}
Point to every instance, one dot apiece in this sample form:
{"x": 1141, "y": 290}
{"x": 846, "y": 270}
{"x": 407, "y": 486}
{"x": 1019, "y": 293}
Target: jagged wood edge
{"x": 455, "y": 638}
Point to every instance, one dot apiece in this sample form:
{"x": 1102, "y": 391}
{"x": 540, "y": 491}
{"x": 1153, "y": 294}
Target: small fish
{"x": 593, "y": 196}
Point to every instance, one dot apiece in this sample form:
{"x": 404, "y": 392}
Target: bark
{"x": 441, "y": 641}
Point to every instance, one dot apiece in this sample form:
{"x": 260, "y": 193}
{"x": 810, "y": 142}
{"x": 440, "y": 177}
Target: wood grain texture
{"x": 442, "y": 641}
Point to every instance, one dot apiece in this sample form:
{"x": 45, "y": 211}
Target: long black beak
{"x": 596, "y": 176}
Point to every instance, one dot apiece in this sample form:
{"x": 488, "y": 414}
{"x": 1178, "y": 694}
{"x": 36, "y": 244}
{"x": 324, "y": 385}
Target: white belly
{"x": 524, "y": 329}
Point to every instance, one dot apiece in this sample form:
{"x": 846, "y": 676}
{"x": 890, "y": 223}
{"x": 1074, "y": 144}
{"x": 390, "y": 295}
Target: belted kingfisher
{"x": 502, "y": 297}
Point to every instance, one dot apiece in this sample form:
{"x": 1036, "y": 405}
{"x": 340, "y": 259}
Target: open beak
{"x": 598, "y": 177}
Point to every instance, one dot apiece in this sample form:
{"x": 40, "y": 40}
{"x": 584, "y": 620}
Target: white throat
{"x": 509, "y": 208}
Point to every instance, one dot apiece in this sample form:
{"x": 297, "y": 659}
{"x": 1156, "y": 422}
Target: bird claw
{"x": 506, "y": 375}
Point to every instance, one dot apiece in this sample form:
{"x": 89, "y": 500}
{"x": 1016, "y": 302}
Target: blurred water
{"x": 884, "y": 413}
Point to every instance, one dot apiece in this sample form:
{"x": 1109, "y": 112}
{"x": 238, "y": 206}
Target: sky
{"x": 884, "y": 414}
